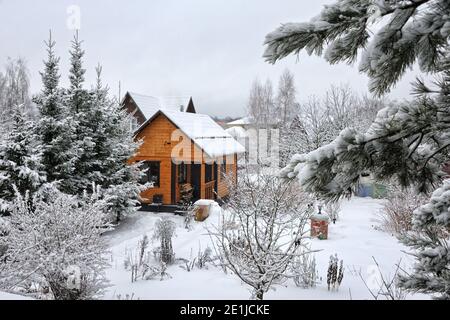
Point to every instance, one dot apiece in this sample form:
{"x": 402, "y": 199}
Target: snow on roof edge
{"x": 203, "y": 130}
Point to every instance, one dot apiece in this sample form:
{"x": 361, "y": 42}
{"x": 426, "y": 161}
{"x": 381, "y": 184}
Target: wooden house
{"x": 180, "y": 149}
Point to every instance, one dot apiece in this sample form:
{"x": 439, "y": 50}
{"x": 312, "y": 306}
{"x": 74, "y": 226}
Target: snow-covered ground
{"x": 353, "y": 238}
{"x": 9, "y": 296}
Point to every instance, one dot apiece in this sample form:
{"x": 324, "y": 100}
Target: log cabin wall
{"x": 157, "y": 146}
{"x": 231, "y": 169}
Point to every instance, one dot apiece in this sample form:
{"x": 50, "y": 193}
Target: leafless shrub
{"x": 333, "y": 209}
{"x": 164, "y": 231}
{"x": 396, "y": 216}
{"x": 387, "y": 285}
{"x": 200, "y": 261}
{"x": 304, "y": 271}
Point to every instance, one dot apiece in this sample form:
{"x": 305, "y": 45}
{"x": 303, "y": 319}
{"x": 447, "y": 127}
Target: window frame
{"x": 150, "y": 173}
{"x": 210, "y": 174}
{"x": 223, "y": 167}
{"x": 182, "y": 173}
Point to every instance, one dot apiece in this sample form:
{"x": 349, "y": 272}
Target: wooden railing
{"x": 209, "y": 190}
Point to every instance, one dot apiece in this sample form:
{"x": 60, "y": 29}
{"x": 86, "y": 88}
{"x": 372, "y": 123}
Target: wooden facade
{"x": 157, "y": 147}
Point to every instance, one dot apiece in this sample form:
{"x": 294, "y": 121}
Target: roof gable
{"x": 149, "y": 105}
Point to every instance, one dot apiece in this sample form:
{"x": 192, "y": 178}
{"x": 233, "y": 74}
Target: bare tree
{"x": 14, "y": 89}
{"x": 264, "y": 232}
{"x": 261, "y": 104}
{"x": 323, "y": 118}
{"x": 287, "y": 105}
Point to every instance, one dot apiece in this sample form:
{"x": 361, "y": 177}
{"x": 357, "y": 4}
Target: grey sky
{"x": 210, "y": 49}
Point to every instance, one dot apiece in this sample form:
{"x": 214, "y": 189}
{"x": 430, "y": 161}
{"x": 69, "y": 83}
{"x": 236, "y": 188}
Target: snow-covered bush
{"x": 200, "y": 261}
{"x": 270, "y": 217}
{"x": 5, "y": 227}
{"x": 333, "y": 208}
{"x": 397, "y": 214}
{"x": 304, "y": 271}
{"x": 56, "y": 243}
{"x": 165, "y": 231}
{"x": 335, "y": 273}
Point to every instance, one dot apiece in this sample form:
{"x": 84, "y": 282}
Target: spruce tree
{"x": 114, "y": 147}
{"x": 79, "y": 105}
{"x": 54, "y": 128}
{"x": 408, "y": 141}
{"x": 20, "y": 161}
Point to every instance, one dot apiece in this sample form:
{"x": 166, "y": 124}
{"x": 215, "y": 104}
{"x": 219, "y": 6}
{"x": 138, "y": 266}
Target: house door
{"x": 196, "y": 174}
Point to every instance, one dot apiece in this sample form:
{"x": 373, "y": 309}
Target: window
{"x": 153, "y": 172}
{"x": 208, "y": 173}
{"x": 134, "y": 125}
{"x": 182, "y": 173}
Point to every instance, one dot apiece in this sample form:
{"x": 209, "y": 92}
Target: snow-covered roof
{"x": 203, "y": 131}
{"x": 237, "y": 132}
{"x": 150, "y": 105}
{"x": 240, "y": 122}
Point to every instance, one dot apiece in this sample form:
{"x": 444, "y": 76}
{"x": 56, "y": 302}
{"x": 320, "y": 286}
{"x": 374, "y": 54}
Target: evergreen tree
{"x": 114, "y": 147}
{"x": 80, "y": 107}
{"x": 20, "y": 157}
{"x": 54, "y": 129}
{"x": 410, "y": 141}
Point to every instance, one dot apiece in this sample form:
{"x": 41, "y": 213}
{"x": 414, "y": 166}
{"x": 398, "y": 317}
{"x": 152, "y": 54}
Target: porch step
{"x": 159, "y": 208}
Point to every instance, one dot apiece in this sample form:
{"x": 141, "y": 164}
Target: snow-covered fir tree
{"x": 20, "y": 160}
{"x": 79, "y": 106}
{"x": 114, "y": 146}
{"x": 86, "y": 138}
{"x": 416, "y": 132}
{"x": 431, "y": 223}
{"x": 53, "y": 128}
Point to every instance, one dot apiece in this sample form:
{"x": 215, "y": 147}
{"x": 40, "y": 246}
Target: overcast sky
{"x": 210, "y": 49}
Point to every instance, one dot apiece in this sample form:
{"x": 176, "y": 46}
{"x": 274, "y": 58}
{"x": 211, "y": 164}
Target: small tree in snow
{"x": 263, "y": 233}
{"x": 164, "y": 231}
{"x": 55, "y": 243}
